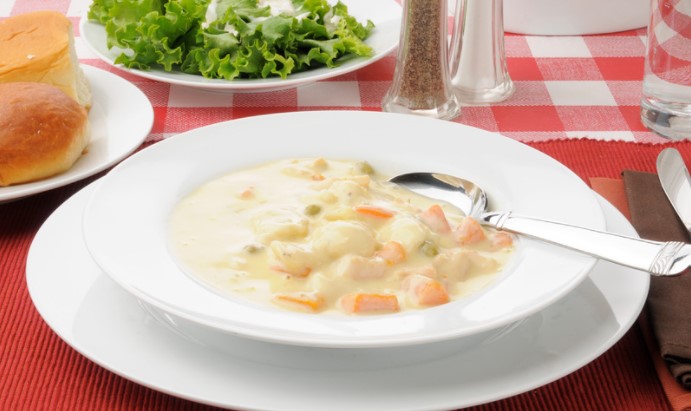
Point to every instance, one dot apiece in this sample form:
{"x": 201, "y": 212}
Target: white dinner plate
{"x": 385, "y": 14}
{"x": 126, "y": 221}
{"x": 120, "y": 118}
{"x": 106, "y": 325}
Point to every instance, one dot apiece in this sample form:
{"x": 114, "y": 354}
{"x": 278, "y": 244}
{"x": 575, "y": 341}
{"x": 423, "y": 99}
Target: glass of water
{"x": 666, "y": 101}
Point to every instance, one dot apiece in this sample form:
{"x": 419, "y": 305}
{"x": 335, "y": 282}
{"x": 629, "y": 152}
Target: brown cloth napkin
{"x": 669, "y": 301}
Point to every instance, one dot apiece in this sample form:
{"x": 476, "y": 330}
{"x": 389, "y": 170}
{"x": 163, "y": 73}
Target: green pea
{"x": 312, "y": 209}
{"x": 365, "y": 167}
{"x": 253, "y": 248}
{"x": 429, "y": 249}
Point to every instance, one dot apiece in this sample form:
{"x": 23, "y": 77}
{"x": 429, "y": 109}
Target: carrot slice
{"x": 392, "y": 252}
{"x": 432, "y": 292}
{"x": 361, "y": 303}
{"x": 361, "y": 268}
{"x": 426, "y": 291}
{"x": 469, "y": 232}
{"x": 310, "y": 302}
{"x": 247, "y": 193}
{"x": 435, "y": 218}
{"x": 373, "y": 211}
{"x": 304, "y": 272}
{"x": 502, "y": 239}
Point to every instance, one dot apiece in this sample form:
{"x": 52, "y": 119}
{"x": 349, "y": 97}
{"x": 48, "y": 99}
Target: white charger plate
{"x": 126, "y": 221}
{"x": 120, "y": 118}
{"x": 106, "y": 325}
{"x": 385, "y": 14}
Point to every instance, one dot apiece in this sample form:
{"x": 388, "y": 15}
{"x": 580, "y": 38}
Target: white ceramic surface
{"x": 574, "y": 17}
{"x": 105, "y": 324}
{"x": 126, "y": 220}
{"x": 385, "y": 14}
{"x": 121, "y": 117}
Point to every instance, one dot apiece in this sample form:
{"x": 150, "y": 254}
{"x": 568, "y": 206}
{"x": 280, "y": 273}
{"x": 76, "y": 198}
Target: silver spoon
{"x": 657, "y": 258}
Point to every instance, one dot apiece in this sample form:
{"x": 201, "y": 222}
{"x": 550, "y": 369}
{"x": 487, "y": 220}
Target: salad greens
{"x": 231, "y": 38}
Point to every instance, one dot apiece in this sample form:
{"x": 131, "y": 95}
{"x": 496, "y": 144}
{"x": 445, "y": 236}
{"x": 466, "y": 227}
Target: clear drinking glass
{"x": 421, "y": 79}
{"x": 477, "y": 57}
{"x": 666, "y": 101}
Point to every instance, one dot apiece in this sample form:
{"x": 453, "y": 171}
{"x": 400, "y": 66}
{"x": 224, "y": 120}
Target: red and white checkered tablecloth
{"x": 566, "y": 87}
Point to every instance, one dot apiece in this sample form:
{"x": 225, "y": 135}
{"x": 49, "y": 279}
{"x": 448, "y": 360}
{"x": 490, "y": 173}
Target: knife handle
{"x": 657, "y": 258}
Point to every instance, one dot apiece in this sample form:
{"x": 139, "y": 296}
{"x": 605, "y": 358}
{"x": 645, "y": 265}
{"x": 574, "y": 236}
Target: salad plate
{"x": 106, "y": 325}
{"x": 385, "y": 14}
{"x": 120, "y": 118}
{"x": 139, "y": 195}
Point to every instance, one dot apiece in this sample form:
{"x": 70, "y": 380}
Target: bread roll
{"x": 39, "y": 47}
{"x": 42, "y": 132}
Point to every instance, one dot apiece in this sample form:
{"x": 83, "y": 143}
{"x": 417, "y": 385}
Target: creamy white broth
{"x": 321, "y": 235}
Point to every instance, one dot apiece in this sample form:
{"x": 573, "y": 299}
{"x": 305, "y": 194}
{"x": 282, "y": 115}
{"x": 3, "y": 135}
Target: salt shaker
{"x": 477, "y": 57}
{"x": 421, "y": 83}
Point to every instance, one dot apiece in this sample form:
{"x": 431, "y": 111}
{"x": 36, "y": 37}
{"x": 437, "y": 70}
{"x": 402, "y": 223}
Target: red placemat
{"x": 39, "y": 371}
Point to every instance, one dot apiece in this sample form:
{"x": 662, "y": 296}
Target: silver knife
{"x": 676, "y": 183}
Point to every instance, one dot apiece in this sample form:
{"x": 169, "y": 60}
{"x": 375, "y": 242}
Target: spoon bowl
{"x": 657, "y": 258}
{"x": 466, "y": 195}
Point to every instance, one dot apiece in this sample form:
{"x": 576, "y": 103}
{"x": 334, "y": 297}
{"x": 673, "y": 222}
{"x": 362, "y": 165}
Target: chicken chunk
{"x": 453, "y": 265}
{"x": 280, "y": 224}
{"x": 361, "y": 268}
{"x": 407, "y": 231}
{"x": 338, "y": 238}
{"x": 291, "y": 258}
{"x": 348, "y": 191}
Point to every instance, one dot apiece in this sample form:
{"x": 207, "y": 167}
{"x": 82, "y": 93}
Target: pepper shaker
{"x": 421, "y": 83}
{"x": 477, "y": 57}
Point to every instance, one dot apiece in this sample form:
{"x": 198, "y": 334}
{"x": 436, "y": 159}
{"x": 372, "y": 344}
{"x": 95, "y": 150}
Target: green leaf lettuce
{"x": 231, "y": 38}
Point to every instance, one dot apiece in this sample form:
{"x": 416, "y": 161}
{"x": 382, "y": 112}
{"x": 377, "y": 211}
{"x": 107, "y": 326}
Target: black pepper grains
{"x": 421, "y": 83}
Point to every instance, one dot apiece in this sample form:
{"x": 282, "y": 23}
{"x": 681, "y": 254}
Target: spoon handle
{"x": 658, "y": 258}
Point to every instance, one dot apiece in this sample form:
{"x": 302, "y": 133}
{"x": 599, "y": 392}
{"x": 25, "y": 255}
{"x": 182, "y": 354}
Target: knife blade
{"x": 675, "y": 180}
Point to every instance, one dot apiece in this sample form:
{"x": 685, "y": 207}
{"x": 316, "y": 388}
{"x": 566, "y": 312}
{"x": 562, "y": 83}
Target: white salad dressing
{"x": 322, "y": 235}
